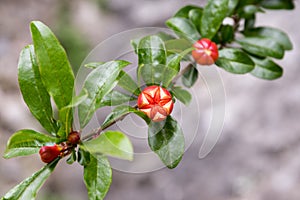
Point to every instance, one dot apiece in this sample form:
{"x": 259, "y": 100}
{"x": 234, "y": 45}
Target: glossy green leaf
{"x": 279, "y": 36}
{"x": 184, "y": 11}
{"x": 184, "y": 28}
{"x": 152, "y": 59}
{"x": 72, "y": 158}
{"x": 249, "y": 10}
{"x": 235, "y": 61}
{"x": 182, "y": 95}
{"x": 28, "y": 189}
{"x": 66, "y": 115}
{"x": 278, "y": 4}
{"x": 213, "y": 15}
{"x": 134, "y": 43}
{"x": 97, "y": 177}
{"x": 177, "y": 45}
{"x": 167, "y": 141}
{"x": 250, "y": 22}
{"x": 34, "y": 92}
{"x": 227, "y": 33}
{"x": 195, "y": 16}
{"x": 262, "y": 46}
{"x": 83, "y": 156}
{"x": 26, "y": 142}
{"x": 99, "y": 83}
{"x": 120, "y": 112}
{"x": 54, "y": 65}
{"x": 232, "y": 4}
{"x": 190, "y": 77}
{"x": 115, "y": 98}
{"x": 110, "y": 143}
{"x": 266, "y": 69}
{"x": 128, "y": 84}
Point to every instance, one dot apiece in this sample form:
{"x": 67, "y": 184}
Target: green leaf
{"x": 72, "y": 158}
{"x": 66, "y": 115}
{"x": 152, "y": 59}
{"x": 177, "y": 45}
{"x": 278, "y": 4}
{"x": 120, "y": 112}
{"x": 54, "y": 65}
{"x": 250, "y": 22}
{"x": 128, "y": 84}
{"x": 190, "y": 77}
{"x": 34, "y": 92}
{"x": 134, "y": 43}
{"x": 115, "y": 98}
{"x": 266, "y": 69}
{"x": 110, "y": 143}
{"x": 235, "y": 61}
{"x": 84, "y": 157}
{"x": 28, "y": 189}
{"x": 167, "y": 141}
{"x": 232, "y": 4}
{"x": 184, "y": 11}
{"x": 182, "y": 95}
{"x": 183, "y": 28}
{"x": 262, "y": 46}
{"x": 195, "y": 16}
{"x": 213, "y": 15}
{"x": 249, "y": 10}
{"x": 279, "y": 36}
{"x": 227, "y": 33}
{"x": 97, "y": 177}
{"x": 99, "y": 83}
{"x": 26, "y": 142}
{"x": 165, "y": 36}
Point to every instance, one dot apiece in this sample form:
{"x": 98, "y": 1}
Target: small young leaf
{"x": 26, "y": 142}
{"x": 84, "y": 157}
{"x": 99, "y": 83}
{"x": 54, "y": 65}
{"x": 34, "y": 92}
{"x": 262, "y": 46}
{"x": 266, "y": 69}
{"x": 278, "y": 4}
{"x": 184, "y": 11}
{"x": 184, "y": 28}
{"x": 115, "y": 98}
{"x": 97, "y": 177}
{"x": 182, "y": 95}
{"x": 235, "y": 61}
{"x": 279, "y": 36}
{"x": 190, "y": 77}
{"x": 72, "y": 158}
{"x": 121, "y": 111}
{"x": 167, "y": 141}
{"x": 227, "y": 33}
{"x": 28, "y": 189}
{"x": 110, "y": 143}
{"x": 213, "y": 15}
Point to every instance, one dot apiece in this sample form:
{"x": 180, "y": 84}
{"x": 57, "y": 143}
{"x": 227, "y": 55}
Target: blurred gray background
{"x": 257, "y": 156}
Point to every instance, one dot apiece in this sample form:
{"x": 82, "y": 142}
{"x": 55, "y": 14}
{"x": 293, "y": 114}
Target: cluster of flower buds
{"x": 156, "y": 102}
{"x": 206, "y": 52}
{"x": 51, "y": 152}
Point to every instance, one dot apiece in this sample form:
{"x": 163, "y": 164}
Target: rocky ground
{"x": 256, "y": 157}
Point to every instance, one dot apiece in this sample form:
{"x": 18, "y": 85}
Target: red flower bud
{"x": 74, "y": 137}
{"x": 206, "y": 52}
{"x": 49, "y": 153}
{"x": 156, "y": 102}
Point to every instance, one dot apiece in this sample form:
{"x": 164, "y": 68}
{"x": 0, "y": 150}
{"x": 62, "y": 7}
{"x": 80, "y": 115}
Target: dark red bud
{"x": 74, "y": 137}
{"x": 49, "y": 153}
{"x": 206, "y": 52}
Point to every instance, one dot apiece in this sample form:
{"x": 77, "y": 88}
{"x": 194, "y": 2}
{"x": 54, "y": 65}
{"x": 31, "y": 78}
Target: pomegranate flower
{"x": 206, "y": 52}
{"x": 156, "y": 102}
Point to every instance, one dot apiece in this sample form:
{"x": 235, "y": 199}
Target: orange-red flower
{"x": 156, "y": 102}
{"x": 206, "y": 52}
{"x": 49, "y": 153}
